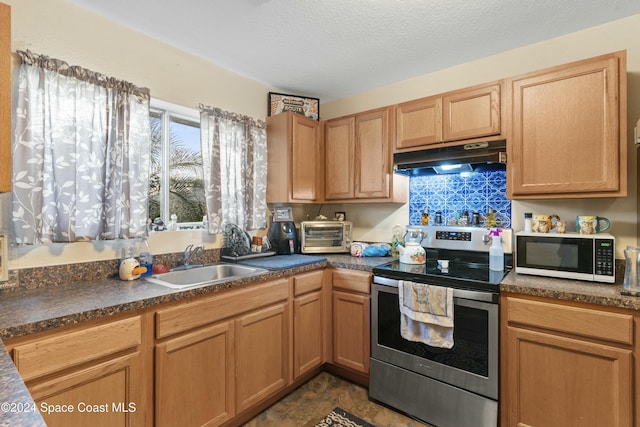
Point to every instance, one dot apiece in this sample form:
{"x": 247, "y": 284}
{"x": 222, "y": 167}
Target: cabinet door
{"x": 419, "y": 122}
{"x": 351, "y": 335}
{"x": 565, "y": 139}
{"x": 106, "y": 394}
{"x": 306, "y": 162}
{"x": 5, "y": 98}
{"x": 194, "y": 378}
{"x": 339, "y": 159}
{"x": 472, "y": 113}
{"x": 262, "y": 354}
{"x": 373, "y": 155}
{"x": 308, "y": 328}
{"x": 558, "y": 381}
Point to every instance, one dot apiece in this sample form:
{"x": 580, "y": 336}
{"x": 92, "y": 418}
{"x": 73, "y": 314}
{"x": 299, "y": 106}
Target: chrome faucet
{"x": 190, "y": 253}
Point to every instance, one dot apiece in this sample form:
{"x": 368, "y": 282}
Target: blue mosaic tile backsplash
{"x": 452, "y": 194}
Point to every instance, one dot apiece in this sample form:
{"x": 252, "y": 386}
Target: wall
{"x": 62, "y": 30}
{"x": 618, "y": 35}
{"x": 454, "y": 193}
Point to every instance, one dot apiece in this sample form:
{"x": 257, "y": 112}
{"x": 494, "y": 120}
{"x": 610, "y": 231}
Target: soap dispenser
{"x": 496, "y": 253}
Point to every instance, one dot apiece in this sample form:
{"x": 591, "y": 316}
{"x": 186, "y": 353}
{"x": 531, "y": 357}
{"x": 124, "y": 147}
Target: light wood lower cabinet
{"x": 351, "y": 319}
{"x": 224, "y": 354}
{"x": 211, "y": 360}
{"x": 194, "y": 377}
{"x": 90, "y": 375}
{"x": 309, "y": 313}
{"x": 262, "y": 352}
{"x": 566, "y": 365}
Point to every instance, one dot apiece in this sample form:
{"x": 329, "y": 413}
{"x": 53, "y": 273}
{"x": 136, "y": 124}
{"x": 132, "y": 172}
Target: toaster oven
{"x": 318, "y": 237}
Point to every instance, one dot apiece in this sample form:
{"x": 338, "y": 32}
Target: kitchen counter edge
{"x": 602, "y": 294}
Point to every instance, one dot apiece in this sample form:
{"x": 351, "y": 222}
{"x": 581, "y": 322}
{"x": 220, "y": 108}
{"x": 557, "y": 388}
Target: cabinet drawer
{"x": 356, "y": 281}
{"x": 615, "y": 327}
{"x": 307, "y": 282}
{"x": 199, "y": 313}
{"x": 62, "y": 350}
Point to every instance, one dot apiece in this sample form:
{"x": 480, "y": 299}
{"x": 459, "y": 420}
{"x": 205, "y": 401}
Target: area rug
{"x": 340, "y": 417}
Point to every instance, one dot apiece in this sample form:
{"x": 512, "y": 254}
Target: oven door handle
{"x": 457, "y": 293}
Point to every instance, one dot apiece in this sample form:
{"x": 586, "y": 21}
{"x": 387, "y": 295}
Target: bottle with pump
{"x": 496, "y": 253}
{"x": 146, "y": 260}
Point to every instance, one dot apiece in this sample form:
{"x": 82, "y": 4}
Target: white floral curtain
{"x": 234, "y": 159}
{"x": 81, "y": 154}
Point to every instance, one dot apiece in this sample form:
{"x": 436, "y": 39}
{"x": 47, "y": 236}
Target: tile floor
{"x": 309, "y": 403}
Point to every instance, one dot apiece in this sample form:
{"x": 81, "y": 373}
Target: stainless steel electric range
{"x": 454, "y": 387}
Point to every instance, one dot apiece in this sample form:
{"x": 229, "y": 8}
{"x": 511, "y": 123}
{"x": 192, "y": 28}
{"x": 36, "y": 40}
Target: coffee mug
{"x": 561, "y": 227}
{"x": 591, "y": 224}
{"x": 544, "y": 223}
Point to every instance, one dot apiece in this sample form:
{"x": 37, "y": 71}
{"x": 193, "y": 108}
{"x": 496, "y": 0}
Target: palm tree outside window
{"x": 175, "y": 147}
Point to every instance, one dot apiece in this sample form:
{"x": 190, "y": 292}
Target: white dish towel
{"x": 426, "y": 313}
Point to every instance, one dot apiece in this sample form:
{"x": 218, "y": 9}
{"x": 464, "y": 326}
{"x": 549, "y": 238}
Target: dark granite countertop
{"x": 47, "y": 307}
{"x": 569, "y": 290}
{"x": 17, "y": 408}
{"x": 357, "y": 263}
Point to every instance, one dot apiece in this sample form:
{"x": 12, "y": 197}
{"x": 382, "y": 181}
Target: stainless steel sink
{"x": 204, "y": 275}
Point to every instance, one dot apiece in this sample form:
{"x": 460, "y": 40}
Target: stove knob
{"x": 486, "y": 239}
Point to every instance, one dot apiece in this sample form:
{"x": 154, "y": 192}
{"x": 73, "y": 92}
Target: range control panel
{"x": 453, "y": 235}
{"x": 463, "y": 238}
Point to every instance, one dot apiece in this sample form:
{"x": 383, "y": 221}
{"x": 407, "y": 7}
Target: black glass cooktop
{"x": 466, "y": 270}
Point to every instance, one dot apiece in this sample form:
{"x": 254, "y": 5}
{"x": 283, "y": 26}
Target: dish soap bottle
{"x": 146, "y": 260}
{"x": 397, "y": 240}
{"x": 496, "y": 253}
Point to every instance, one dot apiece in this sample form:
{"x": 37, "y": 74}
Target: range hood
{"x": 475, "y": 156}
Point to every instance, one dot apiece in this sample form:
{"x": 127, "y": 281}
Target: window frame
{"x": 167, "y": 111}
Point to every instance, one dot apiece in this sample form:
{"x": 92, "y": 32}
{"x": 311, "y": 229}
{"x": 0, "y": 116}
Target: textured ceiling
{"x": 330, "y": 49}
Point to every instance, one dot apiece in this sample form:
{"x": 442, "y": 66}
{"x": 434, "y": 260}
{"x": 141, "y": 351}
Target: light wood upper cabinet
{"x": 340, "y": 140}
{"x": 467, "y": 114}
{"x": 419, "y": 122}
{"x": 567, "y": 136}
{"x": 373, "y": 155}
{"x": 295, "y": 159}
{"x": 566, "y": 364}
{"x": 358, "y": 163}
{"x": 471, "y": 113}
{"x": 5, "y": 98}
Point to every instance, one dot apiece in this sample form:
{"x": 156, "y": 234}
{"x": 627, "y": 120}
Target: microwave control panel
{"x": 604, "y": 257}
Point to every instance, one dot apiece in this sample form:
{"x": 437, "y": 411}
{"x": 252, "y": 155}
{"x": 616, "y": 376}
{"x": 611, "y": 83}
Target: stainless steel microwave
{"x": 589, "y": 257}
{"x": 319, "y": 237}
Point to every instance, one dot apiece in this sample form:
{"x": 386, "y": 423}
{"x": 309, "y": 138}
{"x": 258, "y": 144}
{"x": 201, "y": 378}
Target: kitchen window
{"x": 176, "y": 183}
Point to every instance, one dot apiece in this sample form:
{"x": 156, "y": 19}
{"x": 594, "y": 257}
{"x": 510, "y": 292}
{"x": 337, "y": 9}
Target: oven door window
{"x": 470, "y": 352}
